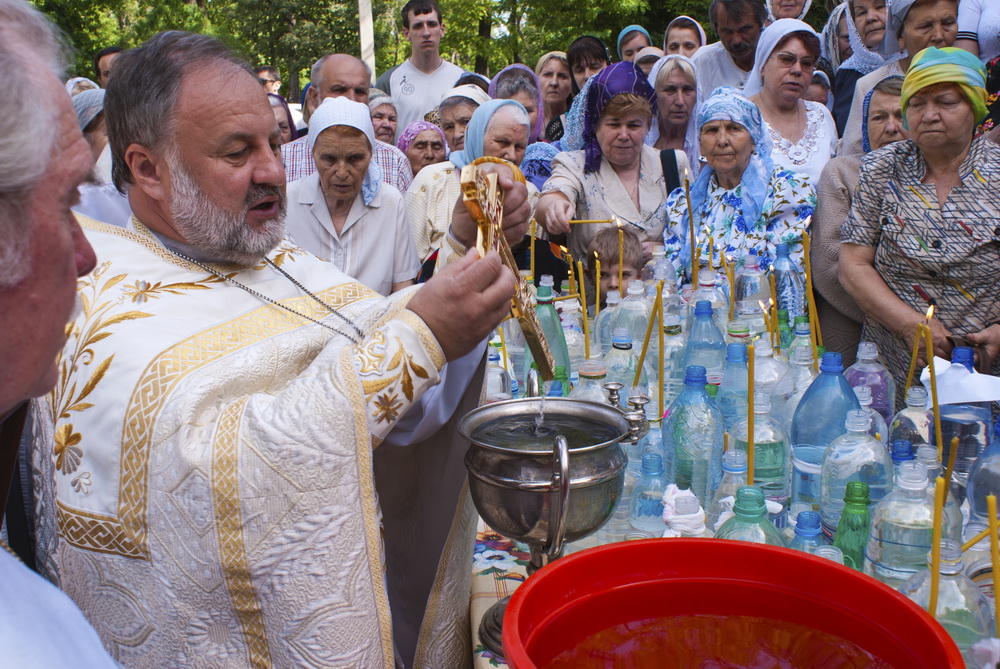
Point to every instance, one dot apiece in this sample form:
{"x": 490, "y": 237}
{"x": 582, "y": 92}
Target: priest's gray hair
{"x": 141, "y": 97}
{"x": 28, "y": 42}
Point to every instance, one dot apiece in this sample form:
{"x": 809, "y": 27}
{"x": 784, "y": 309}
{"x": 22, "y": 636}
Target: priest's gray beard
{"x": 222, "y": 234}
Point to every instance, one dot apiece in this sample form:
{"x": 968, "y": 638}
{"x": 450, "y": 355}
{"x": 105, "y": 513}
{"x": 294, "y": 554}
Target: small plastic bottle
{"x": 788, "y": 282}
{"x": 732, "y": 397}
{"x": 855, "y": 521}
{"x": 734, "y": 476}
{"x": 737, "y": 332}
{"x": 621, "y": 363}
{"x": 709, "y": 290}
{"x": 749, "y": 521}
{"x": 831, "y": 553}
{"x": 705, "y": 347}
{"x": 868, "y": 371}
{"x": 692, "y": 437}
{"x": 591, "y": 386}
{"x": 912, "y": 422}
{"x": 674, "y": 348}
{"x": 808, "y": 536}
{"x": 497, "y": 379}
{"x": 772, "y": 454}
{"x": 602, "y": 324}
{"x": 646, "y": 512}
{"x": 633, "y": 312}
{"x": 899, "y": 452}
{"x": 853, "y": 457}
{"x": 877, "y": 427}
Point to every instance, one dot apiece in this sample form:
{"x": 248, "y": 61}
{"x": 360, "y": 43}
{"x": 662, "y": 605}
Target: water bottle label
{"x": 650, "y": 507}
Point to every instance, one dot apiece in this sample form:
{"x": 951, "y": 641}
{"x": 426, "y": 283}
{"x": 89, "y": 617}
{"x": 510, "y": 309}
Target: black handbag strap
{"x": 671, "y": 175}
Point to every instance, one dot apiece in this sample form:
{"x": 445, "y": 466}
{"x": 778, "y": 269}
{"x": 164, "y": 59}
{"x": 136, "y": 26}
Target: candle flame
{"x": 930, "y": 312}
{"x": 616, "y": 220}
{"x": 564, "y": 249}
{"x": 763, "y": 306}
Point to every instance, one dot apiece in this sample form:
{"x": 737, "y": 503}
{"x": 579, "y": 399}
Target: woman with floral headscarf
{"x": 924, "y": 222}
{"x": 740, "y": 199}
{"x": 615, "y": 174}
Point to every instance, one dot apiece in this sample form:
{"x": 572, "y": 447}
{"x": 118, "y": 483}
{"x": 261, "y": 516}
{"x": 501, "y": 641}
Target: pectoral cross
{"x": 484, "y": 200}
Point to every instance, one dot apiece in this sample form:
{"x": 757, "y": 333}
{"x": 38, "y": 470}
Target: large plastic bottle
{"x": 633, "y": 312}
{"x": 705, "y": 347}
{"x": 984, "y": 477}
{"x": 820, "y": 417}
{"x": 868, "y": 371}
{"x": 877, "y": 427}
{"x": 771, "y": 453}
{"x": 708, "y": 290}
{"x": 749, "y": 521}
{"x": 913, "y": 422}
{"x": 674, "y": 348}
{"x": 788, "y": 392}
{"x": 854, "y": 456}
{"x": 692, "y": 438}
{"x": 753, "y": 291}
{"x": 789, "y": 284}
{"x": 972, "y": 423}
{"x": 734, "y": 476}
{"x": 551, "y": 326}
{"x": 602, "y": 324}
{"x": 732, "y": 396}
{"x": 769, "y": 372}
{"x": 902, "y": 527}
{"x": 658, "y": 262}
{"x": 621, "y": 362}
{"x": 646, "y": 512}
{"x": 855, "y": 520}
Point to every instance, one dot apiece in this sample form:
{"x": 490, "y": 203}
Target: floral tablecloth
{"x": 499, "y": 566}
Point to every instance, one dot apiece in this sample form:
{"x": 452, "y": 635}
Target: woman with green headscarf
{"x": 924, "y": 225}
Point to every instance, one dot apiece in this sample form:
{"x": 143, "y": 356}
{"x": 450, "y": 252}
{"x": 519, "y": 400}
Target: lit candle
{"x": 750, "y": 399}
{"x": 711, "y": 253}
{"x": 621, "y": 259}
{"x": 929, "y": 343}
{"x": 939, "y": 487}
{"x": 531, "y": 249}
{"x": 597, "y": 286}
{"x": 914, "y": 354}
{"x": 767, "y": 321}
{"x": 991, "y": 506}
{"x": 568, "y": 259}
{"x": 659, "y": 327}
{"x": 583, "y": 307}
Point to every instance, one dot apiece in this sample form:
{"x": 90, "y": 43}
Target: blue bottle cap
{"x": 831, "y": 362}
{"x": 901, "y": 451}
{"x": 736, "y": 353}
{"x": 964, "y": 355}
{"x": 781, "y": 250}
{"x": 652, "y": 463}
{"x": 703, "y": 308}
{"x": 807, "y": 524}
{"x": 695, "y": 375}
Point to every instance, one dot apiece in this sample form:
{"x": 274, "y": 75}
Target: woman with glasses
{"x": 803, "y": 133}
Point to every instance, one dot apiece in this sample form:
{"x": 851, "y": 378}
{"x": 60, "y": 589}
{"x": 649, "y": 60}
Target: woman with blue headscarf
{"x": 631, "y": 40}
{"x": 740, "y": 199}
{"x": 614, "y": 173}
{"x": 499, "y": 129}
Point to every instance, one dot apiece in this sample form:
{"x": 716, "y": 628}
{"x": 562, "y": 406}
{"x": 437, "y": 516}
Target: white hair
{"x": 28, "y": 42}
{"x": 512, "y": 112}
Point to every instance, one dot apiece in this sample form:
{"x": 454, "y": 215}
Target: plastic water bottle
{"x": 785, "y": 332}
{"x": 769, "y": 372}
{"x": 705, "y": 347}
{"x": 831, "y": 553}
{"x": 801, "y": 332}
{"x": 902, "y": 528}
{"x": 749, "y": 521}
{"x": 734, "y": 476}
{"x": 497, "y": 379}
{"x": 602, "y": 324}
{"x": 819, "y": 419}
{"x": 788, "y": 392}
{"x": 559, "y": 387}
{"x": 984, "y": 477}
{"x": 708, "y": 290}
{"x": 972, "y": 423}
{"x": 674, "y": 348}
{"x": 877, "y": 427}
{"x": 808, "y": 536}
{"x": 673, "y": 304}
{"x": 928, "y": 456}
{"x": 591, "y": 385}
{"x": 963, "y": 610}
{"x": 852, "y": 530}
{"x": 574, "y": 345}
{"x": 737, "y": 332}
{"x": 732, "y": 397}
{"x": 646, "y": 512}
{"x": 771, "y": 454}
{"x": 900, "y": 451}
{"x": 753, "y": 291}
{"x": 658, "y": 262}
{"x": 514, "y": 340}
{"x": 551, "y": 327}
{"x": 633, "y": 312}
{"x": 621, "y": 362}
{"x": 855, "y": 456}
{"x": 868, "y": 371}
{"x": 692, "y": 437}
{"x": 789, "y": 284}
{"x": 913, "y": 422}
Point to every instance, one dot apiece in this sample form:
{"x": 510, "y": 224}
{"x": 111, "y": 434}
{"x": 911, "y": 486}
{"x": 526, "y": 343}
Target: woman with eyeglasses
{"x": 803, "y": 132}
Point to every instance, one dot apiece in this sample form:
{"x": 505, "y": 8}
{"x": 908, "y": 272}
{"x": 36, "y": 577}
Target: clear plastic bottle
{"x": 708, "y": 290}
{"x": 692, "y": 437}
{"x": 771, "y": 454}
{"x": 900, "y": 451}
{"x": 962, "y": 608}
{"x": 878, "y": 428}
{"x": 602, "y": 324}
{"x": 808, "y": 536}
{"x": 788, "y": 282}
{"x": 913, "y": 422}
{"x": 673, "y": 304}
{"x": 574, "y": 345}
{"x": 769, "y": 372}
{"x": 868, "y": 371}
{"x": 801, "y": 332}
{"x": 972, "y": 423}
{"x": 551, "y": 327}
{"x": 514, "y": 340}
{"x": 674, "y": 348}
{"x": 928, "y": 455}
{"x": 658, "y": 262}
{"x": 749, "y": 521}
{"x": 984, "y": 477}
{"x": 737, "y": 332}
{"x": 593, "y": 376}
{"x": 788, "y": 392}
{"x": 785, "y": 332}
{"x": 621, "y": 362}
{"x": 819, "y": 419}
{"x": 633, "y": 312}
{"x": 902, "y": 528}
{"x": 753, "y": 291}
{"x": 646, "y": 512}
{"x": 705, "y": 347}
{"x": 497, "y": 379}
{"x": 855, "y": 456}
{"x": 855, "y": 520}
{"x": 732, "y": 397}
{"x": 734, "y": 476}
{"x": 831, "y": 553}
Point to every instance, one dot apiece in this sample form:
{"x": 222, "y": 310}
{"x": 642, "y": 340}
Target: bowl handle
{"x": 559, "y": 501}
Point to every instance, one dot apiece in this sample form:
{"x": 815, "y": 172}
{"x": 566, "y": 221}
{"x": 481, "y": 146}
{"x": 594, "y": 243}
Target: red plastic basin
{"x": 584, "y": 593}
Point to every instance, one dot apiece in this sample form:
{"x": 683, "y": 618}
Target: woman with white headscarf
{"x": 803, "y": 132}
{"x": 675, "y": 82}
{"x": 343, "y": 212}
{"x": 787, "y": 9}
{"x": 866, "y": 21}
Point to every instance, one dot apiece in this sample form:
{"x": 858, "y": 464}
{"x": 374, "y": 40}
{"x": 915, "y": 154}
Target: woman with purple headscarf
{"x": 424, "y": 144}
{"x": 615, "y": 174}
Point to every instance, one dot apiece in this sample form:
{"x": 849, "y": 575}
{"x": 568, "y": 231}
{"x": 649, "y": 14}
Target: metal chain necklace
{"x": 265, "y": 298}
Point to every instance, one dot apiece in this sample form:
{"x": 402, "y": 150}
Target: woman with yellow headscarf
{"x": 924, "y": 227}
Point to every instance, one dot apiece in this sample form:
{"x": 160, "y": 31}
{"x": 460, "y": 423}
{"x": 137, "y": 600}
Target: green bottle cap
{"x": 799, "y": 319}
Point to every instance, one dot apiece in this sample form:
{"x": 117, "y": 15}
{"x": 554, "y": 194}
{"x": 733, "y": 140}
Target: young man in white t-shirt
{"x": 420, "y": 81}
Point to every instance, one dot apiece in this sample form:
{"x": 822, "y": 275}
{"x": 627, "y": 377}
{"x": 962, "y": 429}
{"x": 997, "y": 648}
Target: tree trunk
{"x": 485, "y": 28}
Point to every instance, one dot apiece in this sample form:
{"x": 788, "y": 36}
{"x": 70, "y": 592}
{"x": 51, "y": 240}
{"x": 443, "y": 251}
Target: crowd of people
{"x": 248, "y": 457}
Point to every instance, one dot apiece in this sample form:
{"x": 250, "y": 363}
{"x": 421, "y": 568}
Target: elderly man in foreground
{"x": 207, "y": 489}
